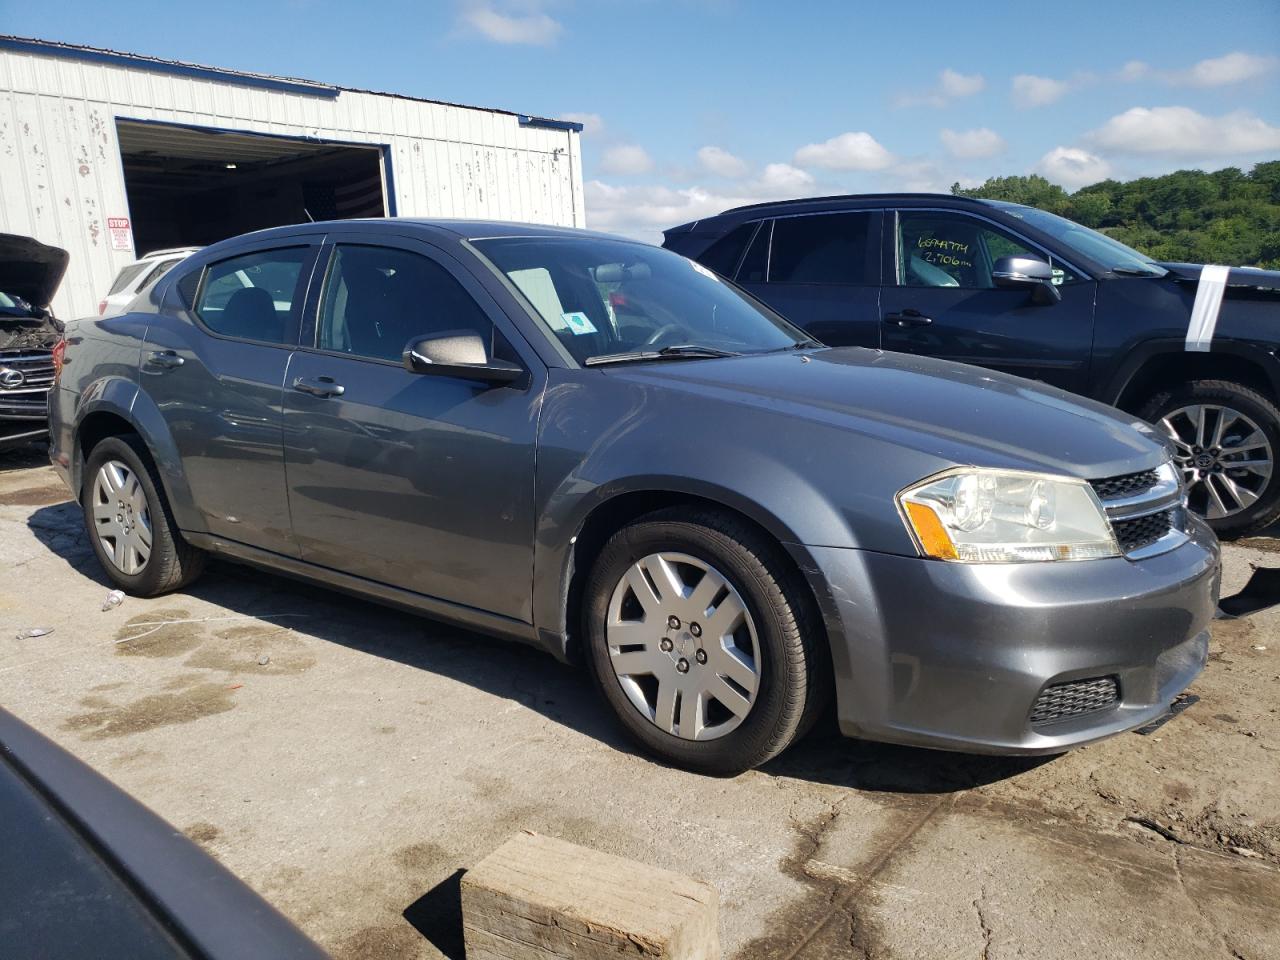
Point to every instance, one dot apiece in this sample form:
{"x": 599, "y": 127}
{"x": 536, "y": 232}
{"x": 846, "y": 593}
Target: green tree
{"x": 1228, "y": 216}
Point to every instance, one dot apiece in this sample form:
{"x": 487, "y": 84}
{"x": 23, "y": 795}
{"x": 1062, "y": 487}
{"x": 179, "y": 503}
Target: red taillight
{"x": 102, "y": 307}
{"x": 59, "y": 353}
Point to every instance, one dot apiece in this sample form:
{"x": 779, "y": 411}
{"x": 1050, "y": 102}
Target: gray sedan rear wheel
{"x": 130, "y": 526}
{"x": 703, "y": 640}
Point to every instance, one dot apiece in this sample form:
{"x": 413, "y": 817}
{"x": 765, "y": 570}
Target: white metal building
{"x": 111, "y": 155}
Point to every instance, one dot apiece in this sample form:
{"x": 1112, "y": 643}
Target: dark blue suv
{"x": 1191, "y": 349}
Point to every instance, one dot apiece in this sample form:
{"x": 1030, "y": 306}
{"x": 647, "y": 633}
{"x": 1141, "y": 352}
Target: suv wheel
{"x": 702, "y": 641}
{"x": 130, "y": 526}
{"x": 1226, "y": 438}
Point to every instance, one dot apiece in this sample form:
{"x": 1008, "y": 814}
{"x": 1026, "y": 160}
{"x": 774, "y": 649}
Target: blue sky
{"x": 698, "y": 105}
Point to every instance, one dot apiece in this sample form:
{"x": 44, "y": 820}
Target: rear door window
{"x": 755, "y": 265}
{"x": 832, "y": 248}
{"x": 256, "y": 296}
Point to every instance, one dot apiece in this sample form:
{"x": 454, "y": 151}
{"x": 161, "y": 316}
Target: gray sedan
{"x": 600, "y": 448}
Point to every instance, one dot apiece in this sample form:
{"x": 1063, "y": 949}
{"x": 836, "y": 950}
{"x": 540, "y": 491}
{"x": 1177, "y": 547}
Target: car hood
{"x": 1241, "y": 281}
{"x": 30, "y": 269}
{"x": 955, "y": 412}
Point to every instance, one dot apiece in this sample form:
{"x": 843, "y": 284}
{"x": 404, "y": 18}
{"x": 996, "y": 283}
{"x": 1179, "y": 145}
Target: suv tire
{"x": 777, "y": 633}
{"x": 170, "y": 563}
{"x": 1169, "y": 412}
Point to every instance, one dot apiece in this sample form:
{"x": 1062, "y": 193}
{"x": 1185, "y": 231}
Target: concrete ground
{"x": 349, "y": 761}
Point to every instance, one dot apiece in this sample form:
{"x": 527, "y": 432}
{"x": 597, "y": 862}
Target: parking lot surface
{"x": 348, "y": 761}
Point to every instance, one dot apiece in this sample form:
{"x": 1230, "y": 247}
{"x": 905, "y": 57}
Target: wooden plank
{"x": 539, "y": 898}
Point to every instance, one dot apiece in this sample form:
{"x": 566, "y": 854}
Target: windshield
{"x": 604, "y": 298}
{"x": 1112, "y": 254}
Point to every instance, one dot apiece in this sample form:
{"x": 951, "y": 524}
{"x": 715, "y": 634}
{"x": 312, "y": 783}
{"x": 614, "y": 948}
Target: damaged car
{"x": 30, "y": 272}
{"x": 601, "y": 448}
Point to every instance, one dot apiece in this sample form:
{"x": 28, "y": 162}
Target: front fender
{"x": 122, "y": 398}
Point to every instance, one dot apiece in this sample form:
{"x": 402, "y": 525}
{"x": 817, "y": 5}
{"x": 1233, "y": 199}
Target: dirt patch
{"x": 242, "y": 650}
{"x": 35, "y": 496}
{"x": 394, "y": 938}
{"x": 158, "y": 710}
{"x": 202, "y": 833}
{"x": 420, "y": 857}
{"x": 157, "y": 633}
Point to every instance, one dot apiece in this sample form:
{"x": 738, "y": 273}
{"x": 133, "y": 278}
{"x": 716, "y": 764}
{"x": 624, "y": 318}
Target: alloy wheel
{"x": 1225, "y": 458}
{"x": 683, "y": 646}
{"x": 121, "y": 517}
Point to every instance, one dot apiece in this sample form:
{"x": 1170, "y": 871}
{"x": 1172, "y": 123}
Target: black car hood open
{"x": 30, "y": 269}
{"x": 1240, "y": 280}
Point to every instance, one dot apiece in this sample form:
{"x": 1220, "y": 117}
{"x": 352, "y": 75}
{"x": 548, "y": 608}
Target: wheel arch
{"x": 115, "y": 407}
{"x": 1160, "y": 366}
{"x": 610, "y": 513}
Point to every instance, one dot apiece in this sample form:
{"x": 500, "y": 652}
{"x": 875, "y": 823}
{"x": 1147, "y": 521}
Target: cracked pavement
{"x": 348, "y": 761}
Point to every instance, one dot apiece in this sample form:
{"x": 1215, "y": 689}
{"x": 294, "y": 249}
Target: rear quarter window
{"x": 125, "y": 277}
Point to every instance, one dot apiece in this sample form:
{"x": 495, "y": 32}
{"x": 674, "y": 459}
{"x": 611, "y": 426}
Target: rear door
{"x": 821, "y": 272}
{"x": 421, "y": 482}
{"x": 217, "y": 373}
{"x": 939, "y": 300}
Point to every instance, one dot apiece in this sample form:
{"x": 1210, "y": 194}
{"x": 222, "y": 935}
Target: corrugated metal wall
{"x": 61, "y": 176}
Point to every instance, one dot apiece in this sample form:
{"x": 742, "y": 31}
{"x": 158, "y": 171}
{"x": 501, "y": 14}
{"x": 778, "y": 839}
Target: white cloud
{"x": 592, "y": 123}
{"x": 781, "y": 178}
{"x": 532, "y": 26}
{"x": 1032, "y": 91}
{"x": 848, "y": 151}
{"x": 1072, "y": 167}
{"x": 1134, "y": 70}
{"x": 721, "y": 162}
{"x": 971, "y": 144}
{"x": 1220, "y": 71}
{"x": 1182, "y": 132}
{"x": 626, "y": 159}
{"x": 951, "y": 85}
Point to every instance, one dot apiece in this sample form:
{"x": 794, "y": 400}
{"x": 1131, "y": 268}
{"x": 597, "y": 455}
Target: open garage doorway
{"x": 192, "y": 186}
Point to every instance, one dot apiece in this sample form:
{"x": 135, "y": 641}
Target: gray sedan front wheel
{"x": 702, "y": 638}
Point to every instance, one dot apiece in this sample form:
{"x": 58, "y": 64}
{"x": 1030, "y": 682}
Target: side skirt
{"x": 453, "y": 613}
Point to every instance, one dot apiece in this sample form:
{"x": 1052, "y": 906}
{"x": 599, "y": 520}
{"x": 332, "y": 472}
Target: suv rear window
{"x": 125, "y": 276}
{"x": 824, "y": 248}
{"x": 723, "y": 255}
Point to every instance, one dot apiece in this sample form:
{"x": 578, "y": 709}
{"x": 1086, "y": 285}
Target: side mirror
{"x": 1027, "y": 273}
{"x": 458, "y": 354}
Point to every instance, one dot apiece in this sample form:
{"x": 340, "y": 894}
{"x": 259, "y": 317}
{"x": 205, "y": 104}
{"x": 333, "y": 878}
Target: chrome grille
{"x": 1127, "y": 485}
{"x": 28, "y": 399}
{"x": 1065, "y": 700}
{"x": 1145, "y": 510}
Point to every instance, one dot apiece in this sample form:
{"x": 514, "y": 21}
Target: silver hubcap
{"x": 683, "y": 646}
{"x": 121, "y": 518}
{"x": 1225, "y": 458}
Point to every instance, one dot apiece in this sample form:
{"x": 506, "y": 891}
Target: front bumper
{"x": 954, "y": 656}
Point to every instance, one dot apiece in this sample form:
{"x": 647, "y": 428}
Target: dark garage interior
{"x": 189, "y": 186}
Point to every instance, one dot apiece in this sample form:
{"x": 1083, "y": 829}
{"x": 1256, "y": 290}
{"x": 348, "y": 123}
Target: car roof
{"x": 847, "y": 201}
{"x": 459, "y": 228}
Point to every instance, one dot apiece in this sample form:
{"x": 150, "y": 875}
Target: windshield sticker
{"x": 1058, "y": 275}
{"x": 578, "y": 323}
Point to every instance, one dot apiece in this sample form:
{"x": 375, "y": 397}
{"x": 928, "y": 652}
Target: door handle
{"x": 908, "y": 318}
{"x": 319, "y": 386}
{"x": 165, "y": 360}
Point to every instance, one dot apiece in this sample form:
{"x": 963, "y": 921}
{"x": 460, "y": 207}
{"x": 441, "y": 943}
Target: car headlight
{"x": 976, "y": 515}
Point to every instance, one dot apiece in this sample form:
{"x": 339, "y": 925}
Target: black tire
{"x": 795, "y": 674}
{"x": 173, "y": 563}
{"x": 1266, "y": 509}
